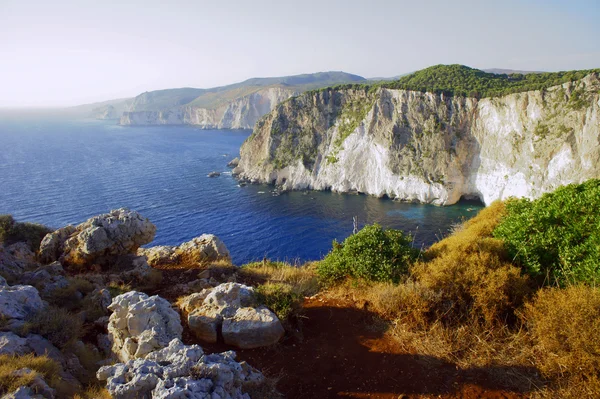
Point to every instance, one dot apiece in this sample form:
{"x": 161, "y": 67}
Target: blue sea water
{"x": 58, "y": 171}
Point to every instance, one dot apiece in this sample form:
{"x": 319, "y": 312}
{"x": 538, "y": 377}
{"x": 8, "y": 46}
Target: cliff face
{"x": 429, "y": 147}
{"x": 240, "y": 113}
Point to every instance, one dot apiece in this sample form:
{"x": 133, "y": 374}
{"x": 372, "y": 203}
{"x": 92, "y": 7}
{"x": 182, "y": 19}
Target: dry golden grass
{"x": 40, "y": 365}
{"x": 93, "y": 392}
{"x": 471, "y": 276}
{"x": 302, "y": 278}
{"x": 565, "y": 324}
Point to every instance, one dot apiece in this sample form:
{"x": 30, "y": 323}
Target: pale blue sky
{"x": 72, "y": 52}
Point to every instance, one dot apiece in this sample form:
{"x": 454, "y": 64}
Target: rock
{"x": 252, "y": 328}
{"x": 41, "y": 346}
{"x": 119, "y": 232}
{"x": 19, "y": 301}
{"x": 103, "y": 343}
{"x": 24, "y": 393}
{"x": 14, "y": 260}
{"x": 180, "y": 371}
{"x": 37, "y": 385}
{"x": 12, "y": 344}
{"x": 200, "y": 250}
{"x": 234, "y": 162}
{"x": 229, "y": 308}
{"x": 141, "y": 324}
{"x": 53, "y": 244}
{"x": 47, "y": 279}
{"x": 101, "y": 298}
{"x": 141, "y": 273}
{"x": 21, "y": 252}
{"x": 213, "y": 174}
{"x": 3, "y": 282}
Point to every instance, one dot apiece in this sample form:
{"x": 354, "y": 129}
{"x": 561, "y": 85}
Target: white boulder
{"x": 119, "y": 232}
{"x": 141, "y": 324}
{"x": 198, "y": 251}
{"x": 180, "y": 371}
{"x": 230, "y": 308}
{"x": 19, "y": 301}
{"x": 252, "y": 328}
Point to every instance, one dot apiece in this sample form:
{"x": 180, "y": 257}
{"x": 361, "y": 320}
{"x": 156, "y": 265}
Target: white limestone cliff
{"x": 239, "y": 113}
{"x": 429, "y": 148}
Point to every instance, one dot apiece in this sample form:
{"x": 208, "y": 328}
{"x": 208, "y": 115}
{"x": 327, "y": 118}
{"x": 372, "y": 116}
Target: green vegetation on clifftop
{"x": 460, "y": 80}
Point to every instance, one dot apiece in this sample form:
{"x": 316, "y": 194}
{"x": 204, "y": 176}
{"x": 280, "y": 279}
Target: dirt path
{"x": 344, "y": 354}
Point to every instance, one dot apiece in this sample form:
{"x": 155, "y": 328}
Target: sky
{"x": 62, "y": 53}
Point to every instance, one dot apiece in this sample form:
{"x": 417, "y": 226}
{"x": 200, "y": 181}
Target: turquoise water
{"x": 56, "y": 172}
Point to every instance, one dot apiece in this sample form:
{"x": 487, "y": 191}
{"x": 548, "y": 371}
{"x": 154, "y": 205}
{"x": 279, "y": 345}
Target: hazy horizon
{"x": 68, "y": 53}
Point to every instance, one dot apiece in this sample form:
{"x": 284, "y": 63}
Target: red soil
{"x": 343, "y": 352}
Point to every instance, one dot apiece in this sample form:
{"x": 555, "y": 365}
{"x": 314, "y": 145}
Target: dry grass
{"x": 58, "y": 325}
{"x": 40, "y": 365}
{"x": 69, "y": 297}
{"x": 93, "y": 392}
{"x": 302, "y": 278}
{"x": 565, "y": 325}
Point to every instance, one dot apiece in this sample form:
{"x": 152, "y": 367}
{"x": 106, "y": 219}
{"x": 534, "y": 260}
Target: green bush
{"x": 280, "y": 298}
{"x": 556, "y": 237}
{"x": 12, "y": 232}
{"x": 373, "y": 254}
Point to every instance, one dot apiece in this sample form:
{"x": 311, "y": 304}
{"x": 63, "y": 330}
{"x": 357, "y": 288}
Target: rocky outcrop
{"x": 233, "y": 163}
{"x": 52, "y": 246}
{"x": 12, "y": 344}
{"x": 230, "y": 309}
{"x": 119, "y": 232}
{"x": 37, "y": 388}
{"x": 237, "y": 113}
{"x": 17, "y": 302}
{"x": 180, "y": 371}
{"x": 15, "y": 260}
{"x": 427, "y": 147}
{"x": 141, "y": 324}
{"x": 198, "y": 251}
{"x": 46, "y": 279}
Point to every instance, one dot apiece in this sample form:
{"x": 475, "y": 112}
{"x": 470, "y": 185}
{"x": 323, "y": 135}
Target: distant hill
{"x": 237, "y": 105}
{"x": 215, "y": 97}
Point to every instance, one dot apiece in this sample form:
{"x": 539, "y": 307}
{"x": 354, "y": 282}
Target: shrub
{"x": 556, "y": 237}
{"x": 373, "y": 254}
{"x": 470, "y": 274}
{"x": 57, "y": 325}
{"x": 43, "y": 366}
{"x": 280, "y": 298}
{"x": 565, "y": 324}
{"x": 69, "y": 297}
{"x": 12, "y": 232}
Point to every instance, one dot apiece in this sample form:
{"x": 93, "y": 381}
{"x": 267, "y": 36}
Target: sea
{"x": 58, "y": 170}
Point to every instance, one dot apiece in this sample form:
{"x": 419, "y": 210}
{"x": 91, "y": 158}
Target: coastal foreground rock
{"x": 181, "y": 371}
{"x": 230, "y": 308}
{"x": 118, "y": 232}
{"x": 141, "y": 324}
{"x": 198, "y": 251}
